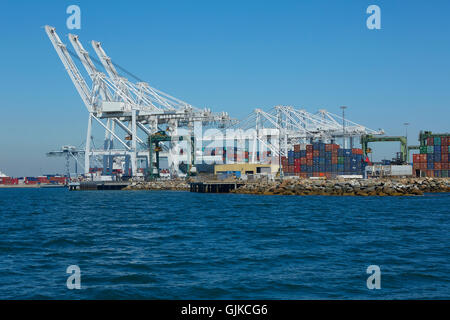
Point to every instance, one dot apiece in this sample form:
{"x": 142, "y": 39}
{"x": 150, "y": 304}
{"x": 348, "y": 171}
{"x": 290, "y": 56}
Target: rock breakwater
{"x": 369, "y": 187}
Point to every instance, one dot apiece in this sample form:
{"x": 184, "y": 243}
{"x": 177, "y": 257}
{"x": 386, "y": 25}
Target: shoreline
{"x": 29, "y": 186}
{"x": 338, "y": 187}
{"x": 362, "y": 187}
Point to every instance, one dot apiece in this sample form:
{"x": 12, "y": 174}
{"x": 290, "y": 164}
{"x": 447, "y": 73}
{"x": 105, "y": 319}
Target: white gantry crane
{"x": 279, "y": 128}
{"x": 115, "y": 102}
{"x": 139, "y": 110}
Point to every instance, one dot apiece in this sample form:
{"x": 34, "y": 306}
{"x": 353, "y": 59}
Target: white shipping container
{"x": 405, "y": 170}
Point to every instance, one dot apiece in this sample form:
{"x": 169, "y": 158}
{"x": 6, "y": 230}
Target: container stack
{"x": 433, "y": 160}
{"x": 323, "y": 160}
{"x": 235, "y": 155}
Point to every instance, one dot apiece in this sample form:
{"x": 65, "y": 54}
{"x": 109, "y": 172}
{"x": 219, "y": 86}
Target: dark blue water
{"x": 178, "y": 245}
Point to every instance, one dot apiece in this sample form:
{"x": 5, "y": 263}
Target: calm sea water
{"x": 175, "y": 245}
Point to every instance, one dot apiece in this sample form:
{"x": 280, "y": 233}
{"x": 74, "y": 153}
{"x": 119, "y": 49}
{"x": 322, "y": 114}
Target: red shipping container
{"x": 309, "y": 155}
{"x": 357, "y": 151}
{"x": 423, "y": 157}
{"x": 416, "y": 157}
{"x": 430, "y": 173}
{"x": 328, "y": 147}
{"x": 334, "y": 160}
{"x": 309, "y": 148}
{"x": 302, "y": 160}
{"x": 444, "y": 165}
{"x": 444, "y": 157}
{"x": 296, "y": 148}
{"x": 437, "y": 166}
{"x": 316, "y": 153}
{"x": 309, "y": 162}
{"x": 430, "y": 142}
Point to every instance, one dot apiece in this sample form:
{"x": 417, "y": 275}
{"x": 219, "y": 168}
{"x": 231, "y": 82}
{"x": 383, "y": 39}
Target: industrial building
{"x": 239, "y": 169}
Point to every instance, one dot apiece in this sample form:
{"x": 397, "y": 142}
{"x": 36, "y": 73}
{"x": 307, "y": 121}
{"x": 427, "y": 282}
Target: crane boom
{"x": 72, "y": 70}
{"x": 105, "y": 60}
{"x": 88, "y": 64}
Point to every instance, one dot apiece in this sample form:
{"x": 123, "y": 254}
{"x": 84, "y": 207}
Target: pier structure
{"x": 214, "y": 187}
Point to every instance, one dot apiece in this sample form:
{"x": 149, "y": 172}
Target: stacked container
{"x": 433, "y": 160}
{"x": 236, "y": 155}
{"x": 9, "y": 180}
{"x": 323, "y": 160}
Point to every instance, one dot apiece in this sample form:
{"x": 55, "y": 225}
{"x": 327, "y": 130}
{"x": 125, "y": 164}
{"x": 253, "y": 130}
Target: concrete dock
{"x": 98, "y": 185}
{"x": 214, "y": 187}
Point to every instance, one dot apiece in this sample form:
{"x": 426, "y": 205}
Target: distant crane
{"x": 68, "y": 152}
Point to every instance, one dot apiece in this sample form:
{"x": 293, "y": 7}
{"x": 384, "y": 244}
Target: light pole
{"x": 406, "y": 124}
{"x": 343, "y": 125}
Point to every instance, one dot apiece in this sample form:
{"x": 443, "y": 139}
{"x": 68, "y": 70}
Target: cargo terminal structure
{"x": 130, "y": 114}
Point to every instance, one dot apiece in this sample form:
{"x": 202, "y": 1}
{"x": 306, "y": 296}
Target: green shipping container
{"x": 423, "y": 149}
{"x": 437, "y": 141}
{"x": 444, "y": 173}
{"x": 430, "y": 149}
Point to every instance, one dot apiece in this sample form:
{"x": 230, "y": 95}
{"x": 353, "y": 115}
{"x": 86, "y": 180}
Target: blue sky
{"x": 230, "y": 56}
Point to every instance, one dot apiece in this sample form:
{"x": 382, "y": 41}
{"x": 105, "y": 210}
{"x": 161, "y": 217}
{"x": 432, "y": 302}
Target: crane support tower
{"x": 365, "y": 139}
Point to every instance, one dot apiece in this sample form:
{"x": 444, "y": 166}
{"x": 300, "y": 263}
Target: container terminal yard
{"x": 149, "y": 135}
